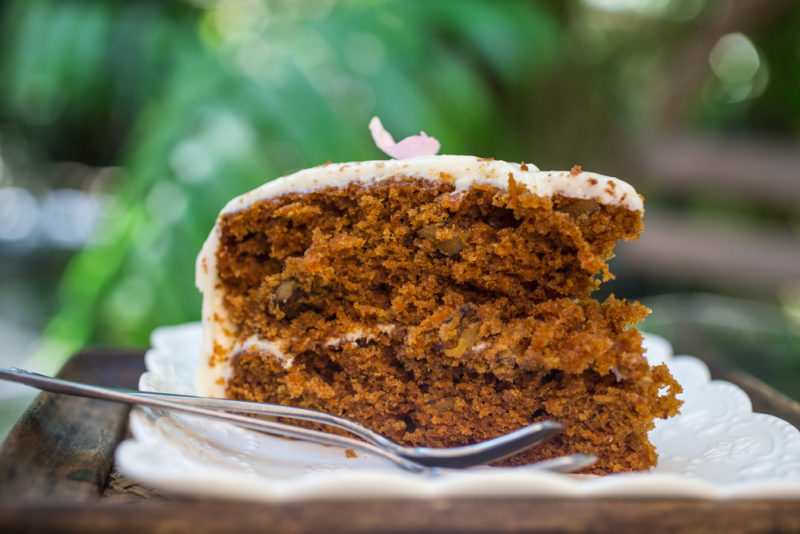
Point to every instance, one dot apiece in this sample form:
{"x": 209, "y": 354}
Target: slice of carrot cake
{"x": 439, "y": 300}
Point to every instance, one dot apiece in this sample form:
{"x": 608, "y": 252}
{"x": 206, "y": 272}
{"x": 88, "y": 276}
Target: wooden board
{"x": 56, "y": 474}
{"x": 62, "y": 447}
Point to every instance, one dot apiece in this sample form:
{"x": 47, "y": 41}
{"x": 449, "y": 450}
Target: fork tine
{"x": 564, "y": 464}
{"x": 486, "y": 451}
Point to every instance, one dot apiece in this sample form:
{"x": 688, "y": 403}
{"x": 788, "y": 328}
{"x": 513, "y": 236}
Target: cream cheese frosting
{"x": 220, "y": 340}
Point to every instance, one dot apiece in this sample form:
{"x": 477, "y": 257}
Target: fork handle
{"x": 229, "y": 405}
{"x": 67, "y": 387}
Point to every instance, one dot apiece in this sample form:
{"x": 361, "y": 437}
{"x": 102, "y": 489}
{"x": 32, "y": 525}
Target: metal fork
{"x": 416, "y": 459}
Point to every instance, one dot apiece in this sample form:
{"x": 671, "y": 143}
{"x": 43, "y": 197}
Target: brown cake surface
{"x": 440, "y": 315}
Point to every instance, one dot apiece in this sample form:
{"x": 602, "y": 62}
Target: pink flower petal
{"x": 412, "y": 146}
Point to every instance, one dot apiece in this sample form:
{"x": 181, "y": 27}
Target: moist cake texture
{"x": 440, "y": 301}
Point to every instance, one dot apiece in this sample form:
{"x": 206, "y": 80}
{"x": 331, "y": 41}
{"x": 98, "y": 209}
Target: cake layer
{"x": 577, "y": 192}
{"x": 471, "y": 376}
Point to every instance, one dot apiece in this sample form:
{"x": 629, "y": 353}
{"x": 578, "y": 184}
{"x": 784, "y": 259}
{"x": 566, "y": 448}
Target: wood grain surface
{"x": 442, "y": 516}
{"x": 62, "y": 447}
{"x": 56, "y": 475}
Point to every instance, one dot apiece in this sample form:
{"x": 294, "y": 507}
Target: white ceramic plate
{"x": 716, "y": 448}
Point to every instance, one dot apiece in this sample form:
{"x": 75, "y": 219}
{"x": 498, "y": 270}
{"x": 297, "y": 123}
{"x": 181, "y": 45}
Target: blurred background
{"x": 126, "y": 126}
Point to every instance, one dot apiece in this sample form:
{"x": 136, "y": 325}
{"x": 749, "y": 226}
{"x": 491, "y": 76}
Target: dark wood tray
{"x": 57, "y": 475}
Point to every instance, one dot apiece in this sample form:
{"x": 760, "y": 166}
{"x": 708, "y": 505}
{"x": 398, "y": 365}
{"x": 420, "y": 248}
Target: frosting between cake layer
{"x": 219, "y": 334}
{"x": 359, "y": 334}
{"x": 273, "y": 348}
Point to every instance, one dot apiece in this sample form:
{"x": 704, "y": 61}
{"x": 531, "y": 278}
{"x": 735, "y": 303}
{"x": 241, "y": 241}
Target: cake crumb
{"x": 350, "y": 453}
{"x": 523, "y": 166}
{"x": 575, "y": 170}
{"x": 453, "y": 201}
{"x": 512, "y": 191}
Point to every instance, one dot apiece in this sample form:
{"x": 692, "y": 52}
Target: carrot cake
{"x": 439, "y": 300}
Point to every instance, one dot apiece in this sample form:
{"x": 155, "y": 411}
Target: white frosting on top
{"x": 462, "y": 171}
